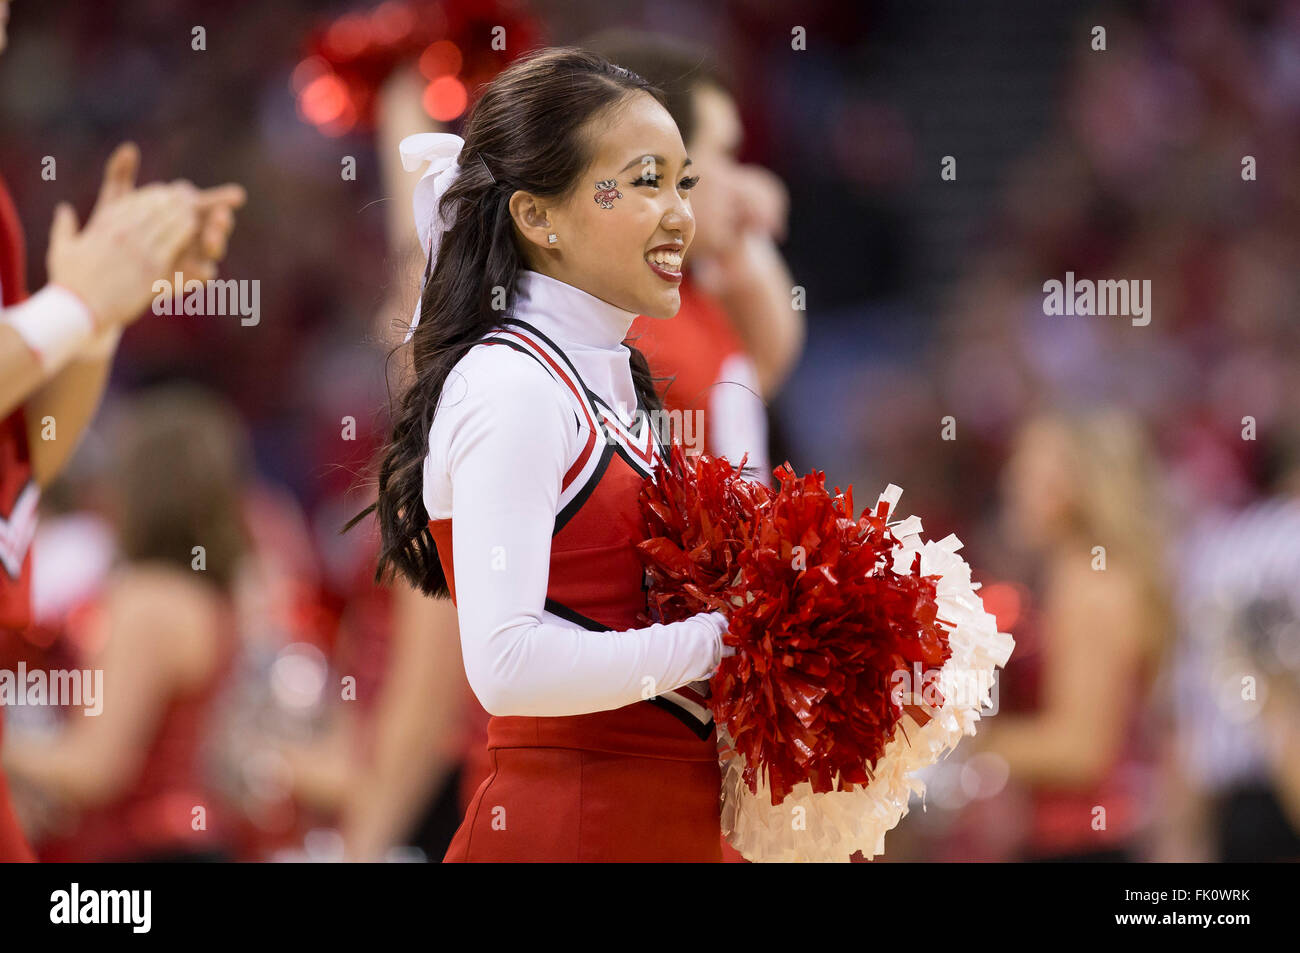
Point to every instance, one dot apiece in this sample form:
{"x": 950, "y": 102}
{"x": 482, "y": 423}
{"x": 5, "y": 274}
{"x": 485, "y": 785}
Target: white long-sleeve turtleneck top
{"x": 501, "y": 442}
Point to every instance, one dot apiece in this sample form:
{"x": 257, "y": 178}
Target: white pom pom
{"x": 830, "y": 827}
{"x": 891, "y": 496}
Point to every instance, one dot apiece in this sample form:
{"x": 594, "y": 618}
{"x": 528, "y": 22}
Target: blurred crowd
{"x": 1128, "y": 495}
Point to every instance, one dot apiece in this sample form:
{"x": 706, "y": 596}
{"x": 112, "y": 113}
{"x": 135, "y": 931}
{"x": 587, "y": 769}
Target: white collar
{"x": 568, "y": 315}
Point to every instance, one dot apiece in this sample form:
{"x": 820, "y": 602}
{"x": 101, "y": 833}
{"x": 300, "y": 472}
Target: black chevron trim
{"x": 702, "y": 730}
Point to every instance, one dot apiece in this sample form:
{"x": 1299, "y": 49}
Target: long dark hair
{"x": 531, "y": 129}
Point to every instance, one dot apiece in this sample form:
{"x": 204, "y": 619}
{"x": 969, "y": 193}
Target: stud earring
{"x": 552, "y": 238}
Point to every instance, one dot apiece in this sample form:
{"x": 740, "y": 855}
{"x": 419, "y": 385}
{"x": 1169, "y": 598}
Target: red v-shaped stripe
{"x": 581, "y": 462}
{"x": 645, "y": 455}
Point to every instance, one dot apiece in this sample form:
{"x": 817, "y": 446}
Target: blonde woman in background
{"x": 1081, "y": 494}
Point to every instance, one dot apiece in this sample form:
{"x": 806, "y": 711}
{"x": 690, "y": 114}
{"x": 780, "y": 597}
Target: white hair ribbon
{"x": 440, "y": 151}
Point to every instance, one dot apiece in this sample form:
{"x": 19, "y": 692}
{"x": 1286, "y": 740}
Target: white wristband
{"x": 54, "y": 323}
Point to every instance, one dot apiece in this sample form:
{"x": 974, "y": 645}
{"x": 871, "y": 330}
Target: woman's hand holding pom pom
{"x": 824, "y": 610}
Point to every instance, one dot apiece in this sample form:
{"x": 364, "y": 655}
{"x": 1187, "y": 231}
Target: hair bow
{"x": 440, "y": 151}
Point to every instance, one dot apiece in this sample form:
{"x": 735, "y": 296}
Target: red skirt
{"x": 566, "y": 805}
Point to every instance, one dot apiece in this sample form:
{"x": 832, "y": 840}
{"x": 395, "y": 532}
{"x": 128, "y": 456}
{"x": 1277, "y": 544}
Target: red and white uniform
{"x": 18, "y": 498}
{"x": 605, "y": 750}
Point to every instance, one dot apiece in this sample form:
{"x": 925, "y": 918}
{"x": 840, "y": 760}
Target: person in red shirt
{"x": 1081, "y": 497}
{"x": 129, "y": 775}
{"x": 735, "y": 339}
{"x": 56, "y": 345}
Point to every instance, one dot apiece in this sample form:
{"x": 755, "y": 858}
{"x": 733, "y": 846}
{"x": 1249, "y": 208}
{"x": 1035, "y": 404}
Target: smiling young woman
{"x": 513, "y": 473}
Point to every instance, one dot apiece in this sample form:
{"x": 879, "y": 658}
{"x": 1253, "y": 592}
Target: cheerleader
{"x": 511, "y": 483}
{"x": 1095, "y": 649}
{"x": 166, "y": 639}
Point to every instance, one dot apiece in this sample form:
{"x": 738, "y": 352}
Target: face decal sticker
{"x": 606, "y": 192}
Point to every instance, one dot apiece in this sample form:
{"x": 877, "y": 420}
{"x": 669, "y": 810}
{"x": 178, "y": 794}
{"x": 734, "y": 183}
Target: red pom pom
{"x": 820, "y": 619}
{"x": 349, "y": 58}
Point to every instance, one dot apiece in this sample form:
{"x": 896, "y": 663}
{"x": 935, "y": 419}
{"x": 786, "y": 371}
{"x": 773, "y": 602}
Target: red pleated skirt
{"x": 570, "y": 805}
